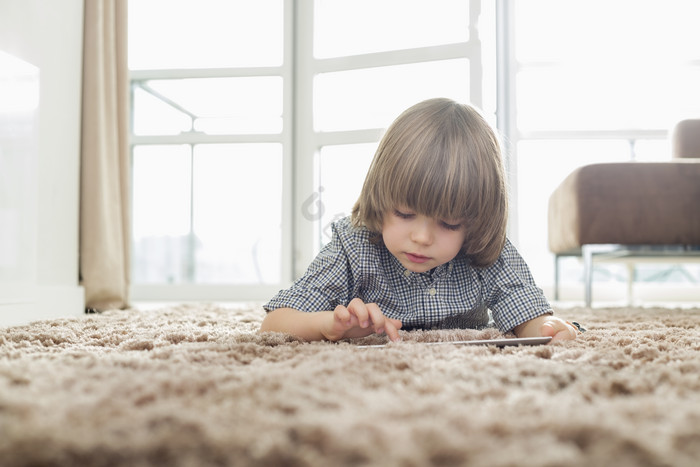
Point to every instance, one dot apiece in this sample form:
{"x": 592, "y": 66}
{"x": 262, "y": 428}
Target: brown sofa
{"x": 632, "y": 209}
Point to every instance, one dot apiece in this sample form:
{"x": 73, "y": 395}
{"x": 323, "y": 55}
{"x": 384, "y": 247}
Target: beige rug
{"x": 196, "y": 386}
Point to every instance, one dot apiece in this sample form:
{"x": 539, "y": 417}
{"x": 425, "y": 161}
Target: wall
{"x": 48, "y": 35}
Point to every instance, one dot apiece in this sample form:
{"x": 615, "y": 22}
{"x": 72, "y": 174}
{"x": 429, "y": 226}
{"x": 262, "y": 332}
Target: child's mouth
{"x": 417, "y": 258}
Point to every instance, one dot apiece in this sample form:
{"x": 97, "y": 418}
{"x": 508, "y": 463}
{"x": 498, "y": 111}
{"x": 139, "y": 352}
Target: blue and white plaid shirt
{"x": 453, "y": 295}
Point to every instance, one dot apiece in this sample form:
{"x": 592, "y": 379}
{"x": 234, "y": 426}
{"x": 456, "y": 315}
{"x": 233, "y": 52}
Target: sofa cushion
{"x": 685, "y": 139}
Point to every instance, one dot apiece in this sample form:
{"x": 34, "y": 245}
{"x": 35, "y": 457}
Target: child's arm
{"x": 358, "y": 319}
{"x": 546, "y": 325}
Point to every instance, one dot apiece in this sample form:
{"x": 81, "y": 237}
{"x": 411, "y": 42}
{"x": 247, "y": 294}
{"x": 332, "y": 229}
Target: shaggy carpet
{"x": 198, "y": 386}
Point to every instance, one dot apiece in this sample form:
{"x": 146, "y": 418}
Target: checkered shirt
{"x": 453, "y": 295}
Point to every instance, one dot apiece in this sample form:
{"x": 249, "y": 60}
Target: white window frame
{"x": 242, "y": 292}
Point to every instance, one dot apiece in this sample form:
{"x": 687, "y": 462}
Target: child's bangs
{"x": 433, "y": 185}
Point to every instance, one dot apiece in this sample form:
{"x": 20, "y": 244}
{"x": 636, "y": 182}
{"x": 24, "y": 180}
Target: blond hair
{"x": 440, "y": 159}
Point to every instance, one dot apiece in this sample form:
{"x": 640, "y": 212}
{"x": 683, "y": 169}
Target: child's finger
{"x": 383, "y": 324}
{"x": 342, "y": 314}
{"x": 377, "y": 317}
{"x": 392, "y": 331}
{"x": 358, "y": 308}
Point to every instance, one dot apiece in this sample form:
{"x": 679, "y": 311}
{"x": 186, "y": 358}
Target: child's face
{"x": 421, "y": 243}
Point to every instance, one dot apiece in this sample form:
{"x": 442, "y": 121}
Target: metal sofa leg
{"x": 587, "y": 253}
{"x": 631, "y": 277}
{"x": 556, "y": 277}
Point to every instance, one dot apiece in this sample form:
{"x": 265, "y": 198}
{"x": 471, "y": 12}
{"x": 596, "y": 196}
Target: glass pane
{"x": 214, "y": 105}
{"x": 352, "y": 27}
{"x": 238, "y": 213}
{"x": 652, "y": 150}
{"x": 205, "y": 33}
{"x": 374, "y": 97}
{"x": 161, "y": 213}
{"x": 556, "y": 159}
{"x": 683, "y": 273}
{"x": 152, "y": 116}
{"x": 601, "y": 31}
{"x": 606, "y": 97}
{"x": 342, "y": 172}
{"x": 19, "y": 177}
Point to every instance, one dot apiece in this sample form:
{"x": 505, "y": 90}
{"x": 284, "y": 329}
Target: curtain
{"x": 104, "y": 190}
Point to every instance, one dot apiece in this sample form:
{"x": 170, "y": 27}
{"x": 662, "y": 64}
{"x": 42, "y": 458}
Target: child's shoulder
{"x": 354, "y": 237}
{"x": 346, "y": 229}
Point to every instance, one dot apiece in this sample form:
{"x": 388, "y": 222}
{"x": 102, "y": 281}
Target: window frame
{"x": 230, "y": 291}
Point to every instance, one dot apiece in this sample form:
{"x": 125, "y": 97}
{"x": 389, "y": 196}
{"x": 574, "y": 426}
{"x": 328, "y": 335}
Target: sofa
{"x": 630, "y": 210}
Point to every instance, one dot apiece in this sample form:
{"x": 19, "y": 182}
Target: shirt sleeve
{"x": 326, "y": 284}
{"x": 511, "y": 292}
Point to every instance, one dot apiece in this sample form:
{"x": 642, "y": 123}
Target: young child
{"x": 426, "y": 244}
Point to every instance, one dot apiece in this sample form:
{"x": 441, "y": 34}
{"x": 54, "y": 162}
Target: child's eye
{"x": 403, "y": 215}
{"x": 449, "y": 226}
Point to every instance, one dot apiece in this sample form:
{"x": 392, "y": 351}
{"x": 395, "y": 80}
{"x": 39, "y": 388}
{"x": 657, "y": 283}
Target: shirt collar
{"x": 434, "y": 274}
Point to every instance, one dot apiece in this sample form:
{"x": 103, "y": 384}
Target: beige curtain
{"x": 104, "y": 197}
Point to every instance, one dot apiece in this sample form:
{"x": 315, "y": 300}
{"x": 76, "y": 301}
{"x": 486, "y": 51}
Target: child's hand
{"x": 547, "y": 325}
{"x": 559, "y": 329}
{"x": 360, "y": 319}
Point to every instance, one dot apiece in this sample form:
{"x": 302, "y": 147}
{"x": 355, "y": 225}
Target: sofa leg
{"x": 556, "y": 277}
{"x": 631, "y": 277}
{"x": 587, "y": 253}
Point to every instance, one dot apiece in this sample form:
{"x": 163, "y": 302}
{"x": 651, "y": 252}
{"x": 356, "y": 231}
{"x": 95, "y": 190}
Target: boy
{"x": 426, "y": 244}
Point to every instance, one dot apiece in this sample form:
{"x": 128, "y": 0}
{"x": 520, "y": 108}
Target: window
{"x": 593, "y": 81}
{"x": 254, "y": 123}
{"x": 211, "y": 136}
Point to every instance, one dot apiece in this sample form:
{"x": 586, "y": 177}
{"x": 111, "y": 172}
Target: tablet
{"x": 502, "y": 342}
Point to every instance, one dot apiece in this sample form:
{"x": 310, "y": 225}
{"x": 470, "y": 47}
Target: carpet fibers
{"x": 196, "y": 385}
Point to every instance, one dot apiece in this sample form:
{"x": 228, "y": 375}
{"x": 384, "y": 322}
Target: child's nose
{"x": 422, "y": 233}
